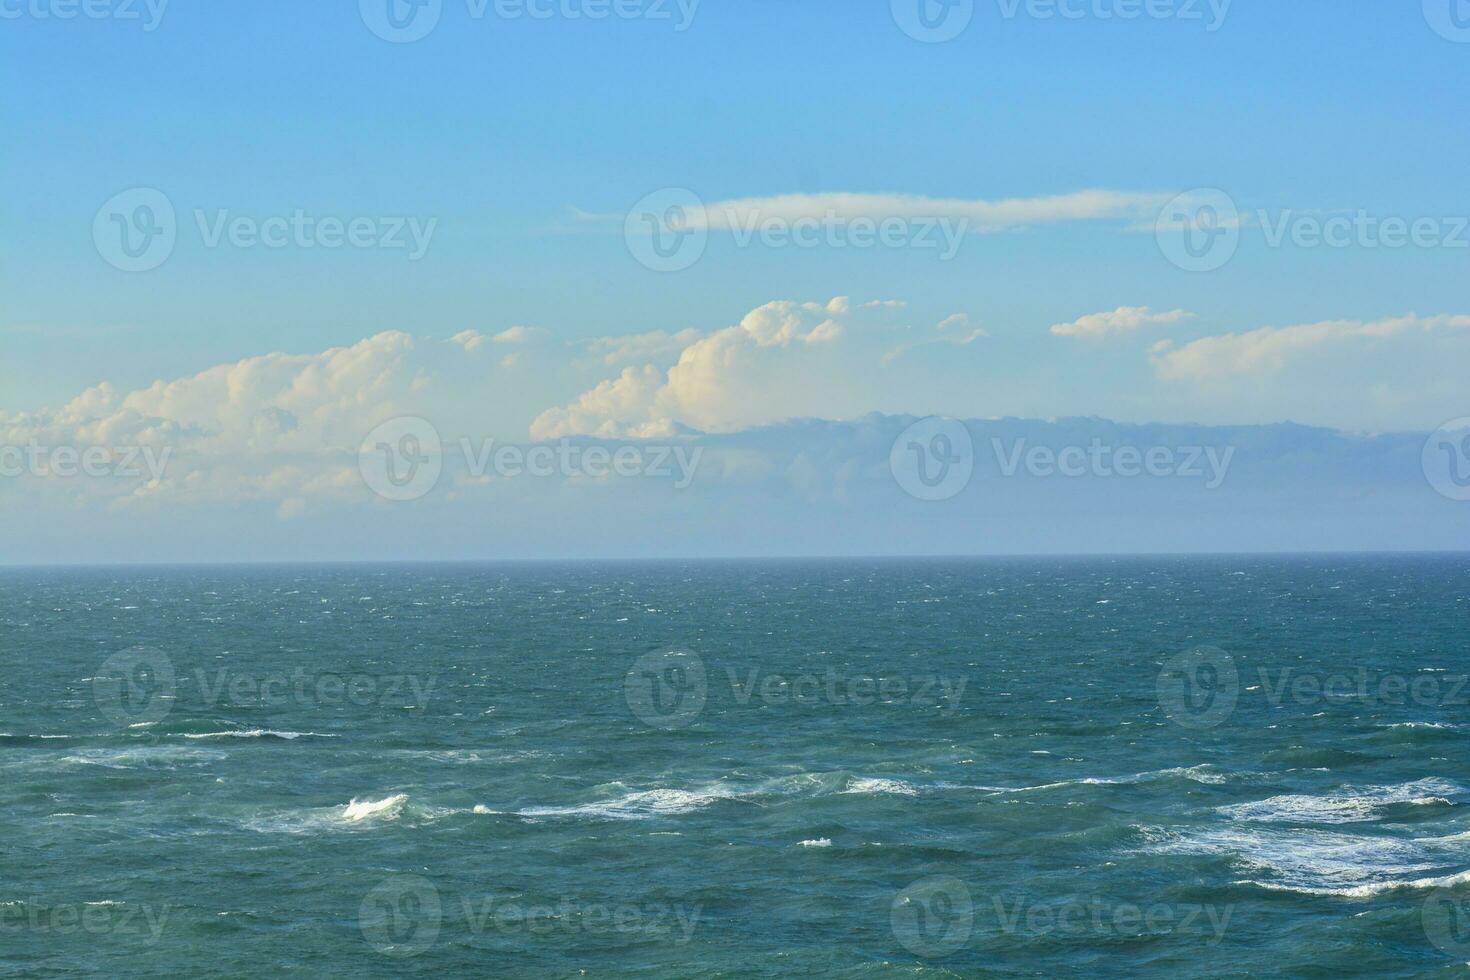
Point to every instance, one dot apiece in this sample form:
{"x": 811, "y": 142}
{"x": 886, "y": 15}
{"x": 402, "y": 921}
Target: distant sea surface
{"x": 1131, "y": 767}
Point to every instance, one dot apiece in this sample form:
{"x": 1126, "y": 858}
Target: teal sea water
{"x": 1133, "y": 767}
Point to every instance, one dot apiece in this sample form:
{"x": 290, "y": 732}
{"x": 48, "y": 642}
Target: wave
{"x": 880, "y": 787}
{"x": 1440, "y": 725}
{"x": 354, "y": 813}
{"x": 1367, "y": 890}
{"x": 817, "y": 842}
{"x": 1199, "y": 774}
{"x": 640, "y": 805}
{"x": 257, "y": 733}
{"x": 1318, "y": 862}
{"x": 150, "y": 757}
{"x": 1347, "y": 805}
{"x": 667, "y": 801}
{"x": 388, "y": 807}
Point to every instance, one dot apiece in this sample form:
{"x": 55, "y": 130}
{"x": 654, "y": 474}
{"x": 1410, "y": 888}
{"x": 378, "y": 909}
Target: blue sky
{"x": 526, "y": 140}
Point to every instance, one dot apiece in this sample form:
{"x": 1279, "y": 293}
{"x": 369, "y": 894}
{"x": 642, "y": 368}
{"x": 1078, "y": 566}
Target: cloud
{"x": 656, "y": 345}
{"x": 473, "y": 340}
{"x": 470, "y": 340}
{"x": 718, "y": 383}
{"x": 1124, "y": 319}
{"x": 516, "y": 335}
{"x": 272, "y": 427}
{"x": 975, "y": 214}
{"x": 1270, "y": 349}
{"x": 955, "y": 330}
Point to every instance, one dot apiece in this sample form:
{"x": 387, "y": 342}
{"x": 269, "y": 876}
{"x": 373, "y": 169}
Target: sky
{"x": 252, "y": 233}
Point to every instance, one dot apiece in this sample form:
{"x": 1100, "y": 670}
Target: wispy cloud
{"x": 1270, "y": 349}
{"x": 1125, "y": 319}
{"x": 978, "y": 215}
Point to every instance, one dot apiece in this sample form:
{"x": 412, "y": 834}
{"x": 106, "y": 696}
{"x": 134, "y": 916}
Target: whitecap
{"x": 388, "y": 808}
{"x": 817, "y": 842}
{"x": 894, "y": 787}
{"x": 640, "y": 805}
{"x": 1347, "y": 805}
{"x": 1318, "y": 862}
{"x": 256, "y": 733}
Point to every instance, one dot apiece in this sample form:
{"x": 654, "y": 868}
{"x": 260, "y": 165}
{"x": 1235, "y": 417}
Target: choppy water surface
{"x": 1112, "y": 767}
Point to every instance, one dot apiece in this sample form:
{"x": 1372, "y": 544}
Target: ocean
{"x": 1130, "y": 767}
